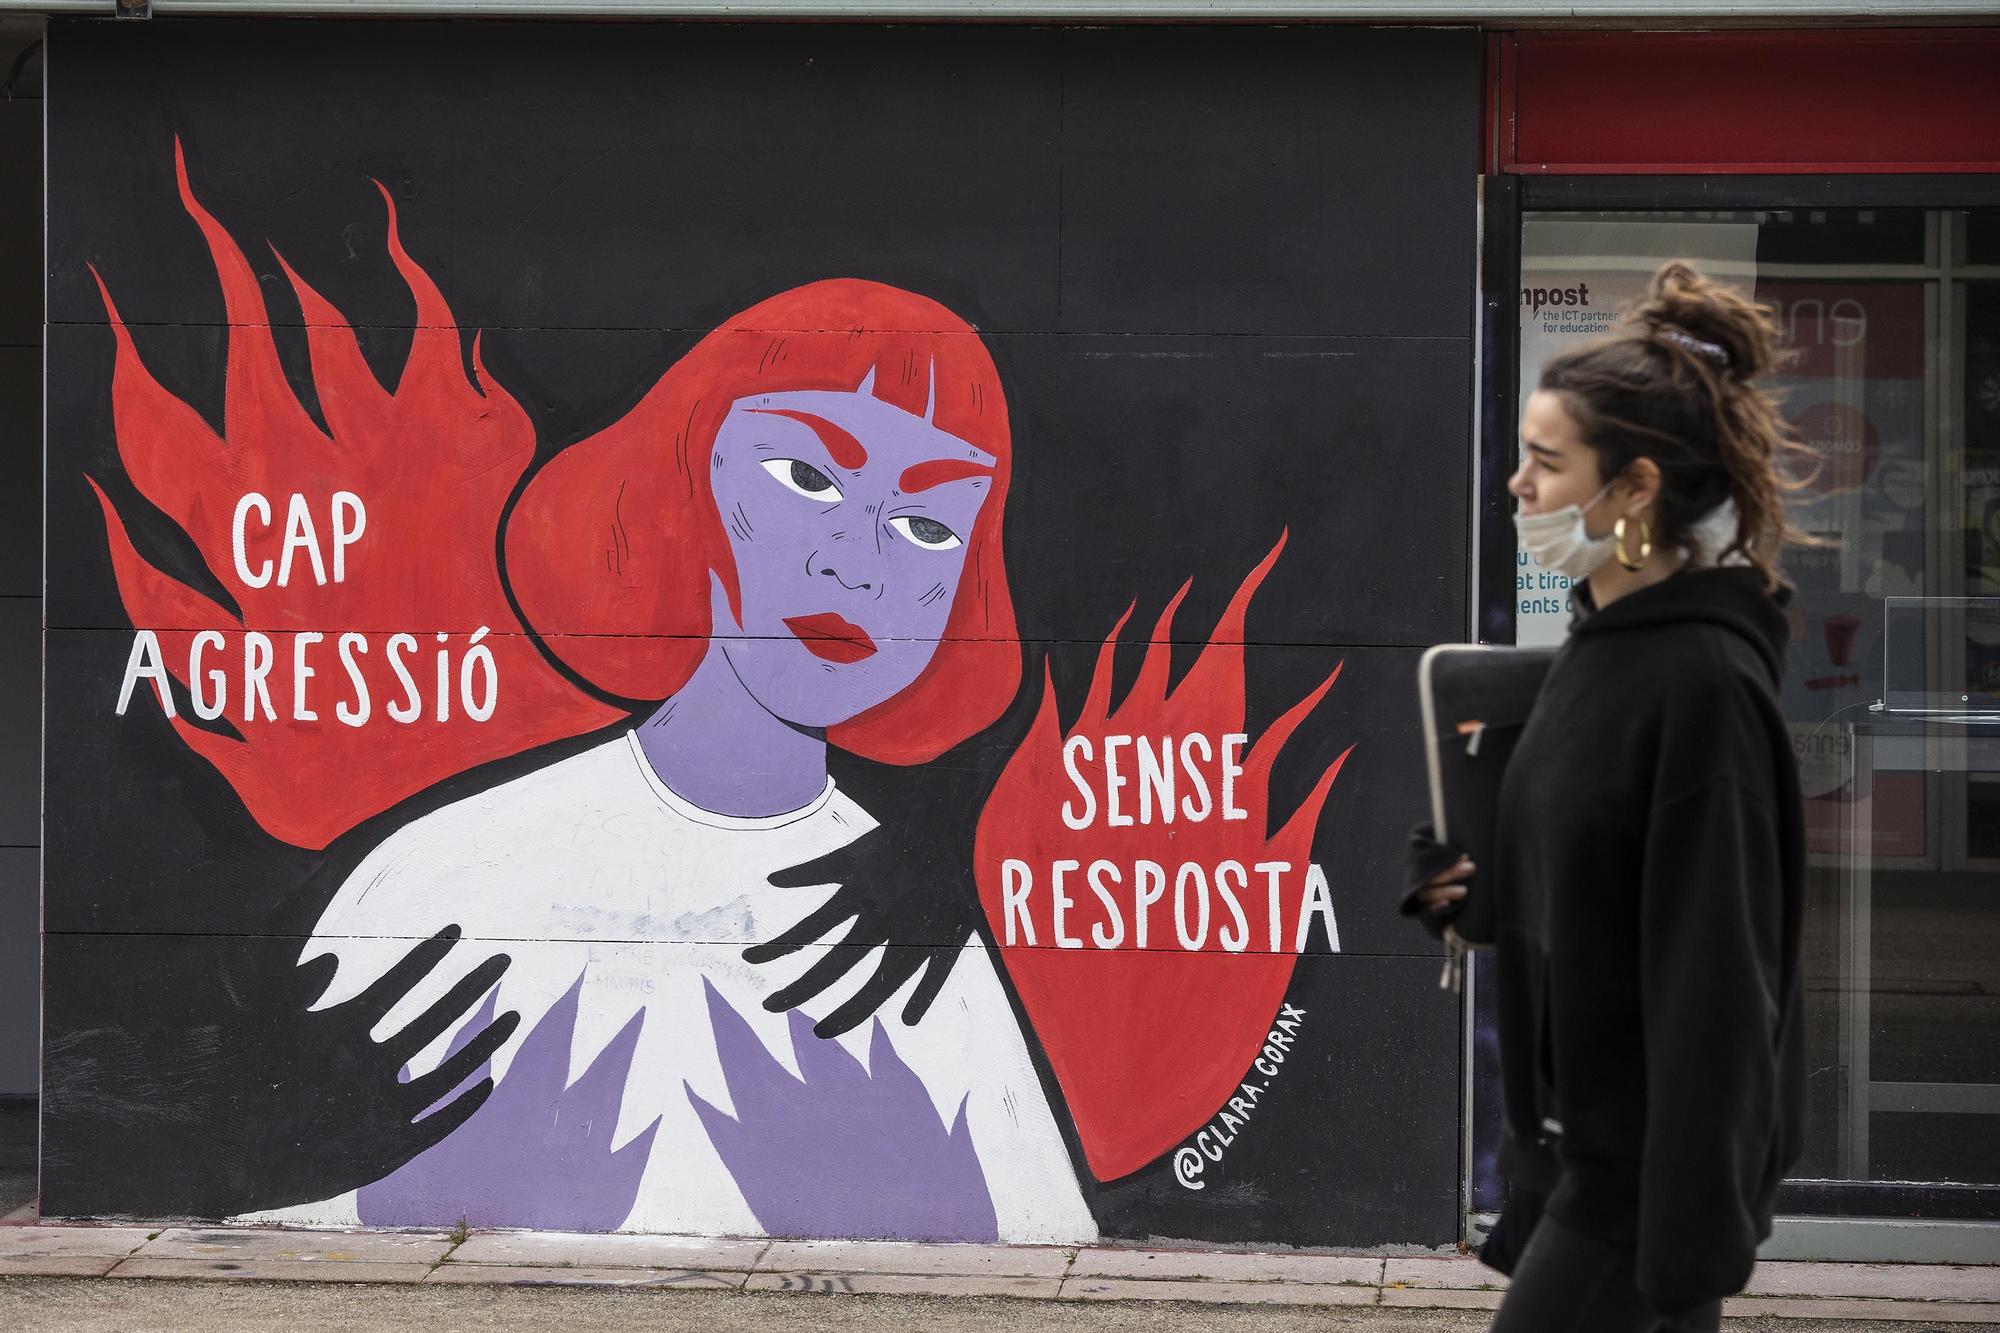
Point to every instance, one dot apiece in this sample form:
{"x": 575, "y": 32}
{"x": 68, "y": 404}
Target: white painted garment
{"x": 593, "y": 867}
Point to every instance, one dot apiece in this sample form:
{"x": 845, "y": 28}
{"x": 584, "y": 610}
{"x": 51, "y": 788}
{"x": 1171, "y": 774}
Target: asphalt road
{"x": 141, "y": 1306}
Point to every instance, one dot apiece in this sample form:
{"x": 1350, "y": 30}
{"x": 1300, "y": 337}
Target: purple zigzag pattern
{"x": 538, "y": 1153}
{"x": 841, "y": 1150}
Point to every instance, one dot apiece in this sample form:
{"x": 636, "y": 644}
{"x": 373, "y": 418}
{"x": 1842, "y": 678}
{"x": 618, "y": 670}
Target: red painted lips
{"x": 833, "y": 637}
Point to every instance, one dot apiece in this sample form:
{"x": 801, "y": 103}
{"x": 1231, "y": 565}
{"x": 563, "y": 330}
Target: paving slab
{"x": 551, "y": 1275}
{"x": 56, "y": 1265}
{"x": 1857, "y": 1308}
{"x": 1227, "y": 1266}
{"x": 1215, "y": 1293}
{"x": 1913, "y": 1282}
{"x": 421, "y": 1247}
{"x": 1921, "y": 1295}
{"x": 272, "y": 1270}
{"x": 908, "y": 1284}
{"x": 1441, "y": 1298}
{"x": 114, "y": 1241}
{"x": 888, "y": 1256}
{"x": 1452, "y": 1274}
{"x": 541, "y": 1248}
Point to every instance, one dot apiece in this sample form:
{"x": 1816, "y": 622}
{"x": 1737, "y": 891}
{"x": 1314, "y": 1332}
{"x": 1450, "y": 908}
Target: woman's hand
{"x": 1446, "y": 889}
{"x": 1437, "y": 876}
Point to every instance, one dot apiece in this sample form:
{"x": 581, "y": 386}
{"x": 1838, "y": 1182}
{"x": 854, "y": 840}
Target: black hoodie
{"x": 1649, "y": 878}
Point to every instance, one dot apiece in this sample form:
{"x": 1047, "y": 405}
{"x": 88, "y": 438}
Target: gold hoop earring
{"x": 1618, "y": 544}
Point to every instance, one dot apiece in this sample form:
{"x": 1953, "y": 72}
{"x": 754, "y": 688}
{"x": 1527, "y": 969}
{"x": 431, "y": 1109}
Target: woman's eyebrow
{"x": 1540, "y": 450}
{"x": 843, "y": 448}
{"x": 938, "y": 471}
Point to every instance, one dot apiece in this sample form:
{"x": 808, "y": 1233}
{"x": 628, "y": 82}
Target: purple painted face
{"x": 848, "y": 519}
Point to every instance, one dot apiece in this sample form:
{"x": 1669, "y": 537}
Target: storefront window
{"x": 1893, "y": 690}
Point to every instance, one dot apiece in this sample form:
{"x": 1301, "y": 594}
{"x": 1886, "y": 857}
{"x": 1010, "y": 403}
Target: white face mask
{"x": 1559, "y": 542}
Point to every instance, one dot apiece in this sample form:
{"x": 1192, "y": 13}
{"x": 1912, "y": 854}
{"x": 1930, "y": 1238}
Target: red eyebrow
{"x": 845, "y": 450}
{"x": 923, "y": 476}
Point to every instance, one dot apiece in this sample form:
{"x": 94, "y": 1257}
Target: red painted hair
{"x": 610, "y": 549}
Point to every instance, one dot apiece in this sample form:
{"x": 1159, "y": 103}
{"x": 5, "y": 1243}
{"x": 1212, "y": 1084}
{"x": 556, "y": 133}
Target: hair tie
{"x": 1713, "y": 351}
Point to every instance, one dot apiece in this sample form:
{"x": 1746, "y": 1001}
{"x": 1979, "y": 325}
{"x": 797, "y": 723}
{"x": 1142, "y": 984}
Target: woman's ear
{"x": 1640, "y": 484}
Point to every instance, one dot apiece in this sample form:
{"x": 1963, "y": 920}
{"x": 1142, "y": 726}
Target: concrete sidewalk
{"x": 1920, "y": 1294}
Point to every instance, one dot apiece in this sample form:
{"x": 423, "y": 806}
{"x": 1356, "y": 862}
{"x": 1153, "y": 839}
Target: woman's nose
{"x": 1519, "y": 486}
{"x": 828, "y": 571}
{"x": 849, "y": 565}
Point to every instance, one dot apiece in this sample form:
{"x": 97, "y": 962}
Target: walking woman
{"x": 1649, "y": 871}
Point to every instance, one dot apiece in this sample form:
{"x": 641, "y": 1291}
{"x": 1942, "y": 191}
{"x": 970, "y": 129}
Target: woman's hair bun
{"x": 1677, "y": 384}
{"x": 1679, "y": 300}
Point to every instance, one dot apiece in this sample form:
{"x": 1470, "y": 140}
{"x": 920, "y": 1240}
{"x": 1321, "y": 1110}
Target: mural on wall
{"x": 836, "y": 669}
{"x": 792, "y": 542}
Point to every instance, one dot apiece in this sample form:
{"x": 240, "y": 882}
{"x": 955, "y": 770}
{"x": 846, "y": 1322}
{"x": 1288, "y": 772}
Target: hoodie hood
{"x": 1733, "y": 597}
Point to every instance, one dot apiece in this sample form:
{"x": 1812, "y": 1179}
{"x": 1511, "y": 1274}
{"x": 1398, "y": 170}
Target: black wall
{"x": 1227, "y": 275}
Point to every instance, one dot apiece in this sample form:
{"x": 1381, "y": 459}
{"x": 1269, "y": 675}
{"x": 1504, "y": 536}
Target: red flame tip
{"x": 482, "y": 379}
{"x": 104, "y": 292}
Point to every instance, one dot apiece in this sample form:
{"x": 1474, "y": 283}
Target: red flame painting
{"x": 414, "y": 477}
{"x": 1148, "y": 1038}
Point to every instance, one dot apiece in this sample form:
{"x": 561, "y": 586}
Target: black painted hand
{"x": 348, "y": 1116}
{"x": 924, "y": 920}
{"x": 906, "y": 885}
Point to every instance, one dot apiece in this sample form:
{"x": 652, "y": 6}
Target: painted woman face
{"x": 848, "y": 519}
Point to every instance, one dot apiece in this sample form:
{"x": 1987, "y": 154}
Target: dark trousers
{"x": 1568, "y": 1282}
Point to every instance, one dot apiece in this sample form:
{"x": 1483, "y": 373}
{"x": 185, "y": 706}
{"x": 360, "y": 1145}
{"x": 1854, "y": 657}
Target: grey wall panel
{"x": 20, "y": 722}
{"x": 20, "y": 971}
{"x": 21, "y": 471}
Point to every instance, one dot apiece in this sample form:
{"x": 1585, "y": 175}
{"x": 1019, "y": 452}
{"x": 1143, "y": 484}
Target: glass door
{"x": 1892, "y": 315}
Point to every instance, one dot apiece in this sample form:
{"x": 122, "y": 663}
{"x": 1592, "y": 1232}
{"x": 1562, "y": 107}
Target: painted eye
{"x": 802, "y": 478}
{"x": 925, "y": 532}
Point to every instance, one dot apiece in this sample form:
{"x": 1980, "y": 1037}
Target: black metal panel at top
{"x": 1242, "y": 180}
{"x": 1269, "y": 180}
